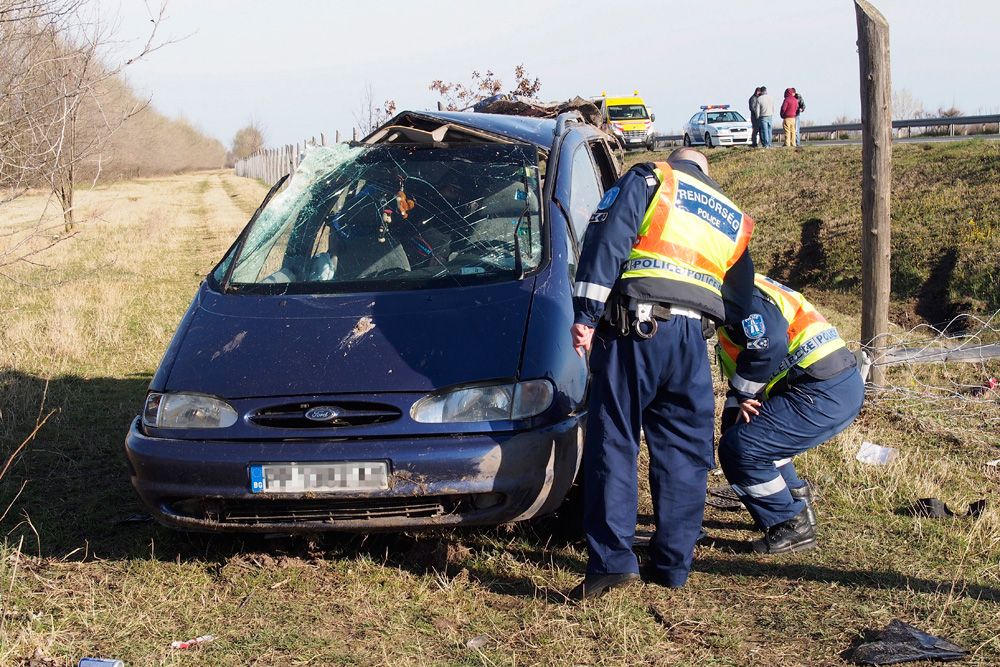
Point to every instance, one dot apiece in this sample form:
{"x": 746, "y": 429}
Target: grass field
{"x": 85, "y": 330}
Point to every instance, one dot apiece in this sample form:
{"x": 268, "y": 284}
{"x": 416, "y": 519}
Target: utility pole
{"x": 876, "y": 177}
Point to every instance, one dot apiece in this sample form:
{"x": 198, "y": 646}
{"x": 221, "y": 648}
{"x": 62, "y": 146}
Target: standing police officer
{"x": 667, "y": 252}
{"x": 793, "y": 385}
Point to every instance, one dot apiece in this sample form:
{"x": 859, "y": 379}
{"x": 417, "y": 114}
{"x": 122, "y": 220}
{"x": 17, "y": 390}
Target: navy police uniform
{"x": 663, "y": 239}
{"x": 788, "y": 356}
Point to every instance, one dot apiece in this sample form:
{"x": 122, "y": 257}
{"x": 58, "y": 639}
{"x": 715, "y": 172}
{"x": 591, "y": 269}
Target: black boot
{"x": 805, "y": 494}
{"x": 793, "y": 535}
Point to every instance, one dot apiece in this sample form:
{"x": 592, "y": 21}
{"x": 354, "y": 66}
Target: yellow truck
{"x": 628, "y": 119}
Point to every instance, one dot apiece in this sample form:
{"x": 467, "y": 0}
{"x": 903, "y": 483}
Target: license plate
{"x": 321, "y": 477}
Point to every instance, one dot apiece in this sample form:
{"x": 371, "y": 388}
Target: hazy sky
{"x": 302, "y": 66}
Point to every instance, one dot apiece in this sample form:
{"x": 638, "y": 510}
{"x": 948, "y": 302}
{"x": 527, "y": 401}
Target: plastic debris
{"x": 900, "y": 642}
{"x": 995, "y": 463}
{"x": 477, "y": 642}
{"x": 937, "y": 509}
{"x": 876, "y": 455}
{"x": 100, "y": 662}
{"x": 723, "y": 498}
{"x": 191, "y": 643}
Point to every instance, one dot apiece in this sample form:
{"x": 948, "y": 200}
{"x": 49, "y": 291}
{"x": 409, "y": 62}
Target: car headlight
{"x": 186, "y": 411}
{"x": 616, "y": 129}
{"x": 485, "y": 403}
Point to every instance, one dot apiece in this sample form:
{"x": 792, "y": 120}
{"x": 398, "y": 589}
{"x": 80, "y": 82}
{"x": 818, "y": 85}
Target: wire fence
{"x": 951, "y": 371}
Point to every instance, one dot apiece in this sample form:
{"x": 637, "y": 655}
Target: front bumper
{"x": 482, "y": 479}
{"x": 733, "y": 139}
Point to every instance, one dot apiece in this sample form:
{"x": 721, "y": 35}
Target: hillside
{"x": 945, "y": 221}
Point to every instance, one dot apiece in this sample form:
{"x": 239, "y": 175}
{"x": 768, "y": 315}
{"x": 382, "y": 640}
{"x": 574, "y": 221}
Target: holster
{"x": 707, "y": 327}
{"x": 616, "y": 314}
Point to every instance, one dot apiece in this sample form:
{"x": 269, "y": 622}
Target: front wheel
{"x": 687, "y": 140}
{"x": 708, "y": 141}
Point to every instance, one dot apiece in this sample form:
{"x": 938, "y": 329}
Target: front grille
{"x": 325, "y": 415}
{"x": 282, "y": 511}
{"x": 635, "y": 134}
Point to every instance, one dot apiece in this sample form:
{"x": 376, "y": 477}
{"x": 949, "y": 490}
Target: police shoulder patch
{"x": 609, "y": 198}
{"x": 753, "y": 326}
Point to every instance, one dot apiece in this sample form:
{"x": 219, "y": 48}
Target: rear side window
{"x": 585, "y": 191}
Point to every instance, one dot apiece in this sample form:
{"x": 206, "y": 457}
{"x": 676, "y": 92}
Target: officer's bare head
{"x": 691, "y": 155}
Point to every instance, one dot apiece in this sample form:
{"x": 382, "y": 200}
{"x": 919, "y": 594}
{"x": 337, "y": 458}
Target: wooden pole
{"x": 876, "y": 177}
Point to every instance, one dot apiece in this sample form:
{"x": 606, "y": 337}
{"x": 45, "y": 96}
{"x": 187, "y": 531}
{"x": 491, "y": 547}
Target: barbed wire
{"x": 951, "y": 371}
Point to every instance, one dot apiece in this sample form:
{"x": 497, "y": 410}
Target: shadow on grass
{"x": 875, "y": 579}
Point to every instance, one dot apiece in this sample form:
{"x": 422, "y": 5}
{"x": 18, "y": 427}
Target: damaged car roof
{"x": 536, "y": 131}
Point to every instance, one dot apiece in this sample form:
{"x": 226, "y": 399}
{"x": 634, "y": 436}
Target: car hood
{"x": 731, "y": 126}
{"x": 242, "y": 346}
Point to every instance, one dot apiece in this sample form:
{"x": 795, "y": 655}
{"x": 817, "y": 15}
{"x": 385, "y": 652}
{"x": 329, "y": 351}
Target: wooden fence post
{"x": 876, "y": 179}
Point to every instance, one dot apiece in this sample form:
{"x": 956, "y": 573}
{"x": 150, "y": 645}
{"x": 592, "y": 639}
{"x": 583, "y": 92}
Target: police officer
{"x": 793, "y": 385}
{"x": 664, "y": 258}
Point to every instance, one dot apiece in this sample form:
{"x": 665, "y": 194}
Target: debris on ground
{"x": 876, "y": 455}
{"x": 937, "y": 509}
{"x": 100, "y": 662}
{"x": 477, "y": 642}
{"x": 900, "y": 642}
{"x": 723, "y": 498}
{"x": 191, "y": 643}
{"x": 138, "y": 517}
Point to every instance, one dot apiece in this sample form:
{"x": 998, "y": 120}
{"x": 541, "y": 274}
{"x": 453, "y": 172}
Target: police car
{"x": 717, "y": 125}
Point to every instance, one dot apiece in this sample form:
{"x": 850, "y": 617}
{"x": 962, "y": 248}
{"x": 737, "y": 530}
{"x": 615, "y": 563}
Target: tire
{"x": 708, "y": 141}
{"x": 687, "y": 139}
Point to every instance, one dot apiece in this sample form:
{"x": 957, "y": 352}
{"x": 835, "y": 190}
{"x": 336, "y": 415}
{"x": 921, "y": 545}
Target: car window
{"x": 585, "y": 192}
{"x": 725, "y": 117}
{"x": 396, "y": 217}
{"x": 627, "y": 112}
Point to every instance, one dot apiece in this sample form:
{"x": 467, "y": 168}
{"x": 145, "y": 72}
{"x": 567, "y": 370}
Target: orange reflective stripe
{"x": 742, "y": 241}
{"x": 803, "y": 320}
{"x": 662, "y": 211}
{"x": 731, "y": 349}
{"x": 679, "y": 252}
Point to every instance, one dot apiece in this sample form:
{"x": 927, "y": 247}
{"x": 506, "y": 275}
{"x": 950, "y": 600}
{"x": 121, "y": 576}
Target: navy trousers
{"x": 663, "y": 387}
{"x": 756, "y": 456}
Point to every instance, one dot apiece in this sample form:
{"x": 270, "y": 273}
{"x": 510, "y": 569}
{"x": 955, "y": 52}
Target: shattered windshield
{"x": 391, "y": 217}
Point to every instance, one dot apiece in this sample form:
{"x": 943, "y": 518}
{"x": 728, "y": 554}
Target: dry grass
{"x": 75, "y": 581}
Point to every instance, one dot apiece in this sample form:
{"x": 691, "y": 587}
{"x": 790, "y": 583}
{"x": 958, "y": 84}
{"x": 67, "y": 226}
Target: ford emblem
{"x": 323, "y": 413}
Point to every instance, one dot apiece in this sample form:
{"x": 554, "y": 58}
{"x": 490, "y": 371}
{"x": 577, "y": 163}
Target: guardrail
{"x": 909, "y": 123}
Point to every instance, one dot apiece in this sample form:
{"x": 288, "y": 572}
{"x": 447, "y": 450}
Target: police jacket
{"x": 782, "y": 342}
{"x": 614, "y": 233}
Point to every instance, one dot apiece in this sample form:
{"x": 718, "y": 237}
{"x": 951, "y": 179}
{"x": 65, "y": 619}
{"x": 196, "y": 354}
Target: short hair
{"x": 691, "y": 155}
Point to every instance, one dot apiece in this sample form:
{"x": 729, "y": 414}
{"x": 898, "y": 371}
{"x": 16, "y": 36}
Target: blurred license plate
{"x": 302, "y": 477}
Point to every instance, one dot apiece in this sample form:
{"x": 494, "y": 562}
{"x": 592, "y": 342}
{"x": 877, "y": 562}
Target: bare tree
{"x": 60, "y": 103}
{"x": 905, "y": 105}
{"x": 247, "y": 141}
{"x": 463, "y": 95}
{"x": 371, "y": 115}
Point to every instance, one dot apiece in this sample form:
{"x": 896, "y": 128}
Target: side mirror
{"x": 652, "y": 118}
{"x": 701, "y": 121}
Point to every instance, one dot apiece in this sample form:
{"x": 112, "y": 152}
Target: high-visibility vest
{"x": 810, "y": 336}
{"x": 691, "y": 234}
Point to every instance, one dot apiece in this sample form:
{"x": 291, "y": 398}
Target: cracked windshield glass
{"x": 395, "y": 217}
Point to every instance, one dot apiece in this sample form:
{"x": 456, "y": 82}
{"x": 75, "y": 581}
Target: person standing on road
{"x": 793, "y": 385}
{"x": 765, "y": 107}
{"x": 798, "y": 117}
{"x": 664, "y": 258}
{"x": 754, "y": 116}
{"x": 789, "y": 109}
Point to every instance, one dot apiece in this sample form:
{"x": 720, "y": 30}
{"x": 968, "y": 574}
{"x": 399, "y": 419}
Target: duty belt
{"x": 646, "y": 314}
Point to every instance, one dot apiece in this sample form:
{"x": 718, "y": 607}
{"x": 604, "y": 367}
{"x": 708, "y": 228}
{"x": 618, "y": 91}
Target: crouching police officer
{"x": 793, "y": 385}
{"x": 667, "y": 252}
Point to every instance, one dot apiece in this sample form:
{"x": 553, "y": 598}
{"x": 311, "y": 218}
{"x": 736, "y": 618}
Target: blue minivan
{"x": 386, "y": 344}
